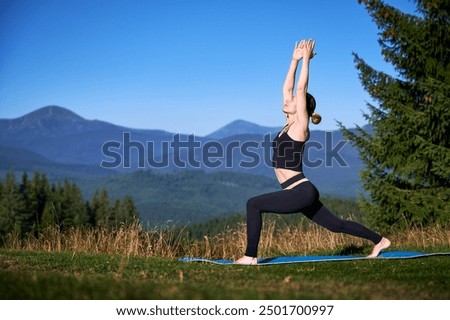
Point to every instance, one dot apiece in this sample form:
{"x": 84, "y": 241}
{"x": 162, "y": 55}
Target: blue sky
{"x": 188, "y": 66}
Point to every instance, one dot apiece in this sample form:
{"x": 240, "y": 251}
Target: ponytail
{"x": 311, "y": 106}
{"x": 316, "y": 118}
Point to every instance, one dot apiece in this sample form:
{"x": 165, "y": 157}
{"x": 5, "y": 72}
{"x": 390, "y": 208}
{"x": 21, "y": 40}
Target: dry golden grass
{"x": 169, "y": 242}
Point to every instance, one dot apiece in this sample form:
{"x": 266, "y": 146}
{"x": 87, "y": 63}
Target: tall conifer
{"x": 12, "y": 205}
{"x": 407, "y": 151}
{"x": 102, "y": 208}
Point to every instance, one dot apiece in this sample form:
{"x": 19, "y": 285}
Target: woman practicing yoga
{"x": 298, "y": 194}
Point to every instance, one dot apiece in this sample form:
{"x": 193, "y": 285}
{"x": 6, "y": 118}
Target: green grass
{"x": 42, "y": 275}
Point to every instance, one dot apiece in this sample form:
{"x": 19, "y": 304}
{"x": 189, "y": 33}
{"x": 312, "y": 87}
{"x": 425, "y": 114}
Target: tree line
{"x": 31, "y": 205}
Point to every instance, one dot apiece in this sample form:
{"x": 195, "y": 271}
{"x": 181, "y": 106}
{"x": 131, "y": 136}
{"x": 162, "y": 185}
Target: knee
{"x": 252, "y": 206}
{"x": 251, "y": 203}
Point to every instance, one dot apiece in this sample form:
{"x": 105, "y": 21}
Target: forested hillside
{"x": 31, "y": 205}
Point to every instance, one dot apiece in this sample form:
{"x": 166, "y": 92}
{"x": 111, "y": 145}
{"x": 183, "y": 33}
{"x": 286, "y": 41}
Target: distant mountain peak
{"x": 54, "y": 112}
{"x": 50, "y": 121}
{"x": 242, "y": 122}
{"x": 237, "y": 127}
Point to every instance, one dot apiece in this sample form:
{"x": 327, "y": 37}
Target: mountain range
{"x": 64, "y": 145}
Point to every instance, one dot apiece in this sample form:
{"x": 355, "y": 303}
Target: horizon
{"x": 314, "y": 128}
{"x": 151, "y": 65}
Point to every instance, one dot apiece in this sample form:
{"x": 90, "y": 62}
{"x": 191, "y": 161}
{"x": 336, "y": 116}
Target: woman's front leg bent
{"x": 283, "y": 202}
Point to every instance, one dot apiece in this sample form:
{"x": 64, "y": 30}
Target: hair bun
{"x": 316, "y": 118}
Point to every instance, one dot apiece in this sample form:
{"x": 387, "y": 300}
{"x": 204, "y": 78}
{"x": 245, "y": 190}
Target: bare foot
{"x": 380, "y": 246}
{"x": 245, "y": 260}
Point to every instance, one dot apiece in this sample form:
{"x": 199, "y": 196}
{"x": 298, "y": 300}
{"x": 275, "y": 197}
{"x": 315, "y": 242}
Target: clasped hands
{"x": 304, "y": 48}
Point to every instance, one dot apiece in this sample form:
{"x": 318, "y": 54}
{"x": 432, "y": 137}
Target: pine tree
{"x": 48, "y": 216}
{"x": 125, "y": 210}
{"x": 101, "y": 208}
{"x": 39, "y": 193}
{"x": 35, "y": 194}
{"x": 90, "y": 214}
{"x": 12, "y": 205}
{"x": 407, "y": 153}
{"x": 52, "y": 208}
{"x": 74, "y": 211}
{"x": 132, "y": 213}
{"x": 64, "y": 205}
{"x": 25, "y": 218}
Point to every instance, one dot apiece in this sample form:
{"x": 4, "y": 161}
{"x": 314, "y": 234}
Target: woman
{"x": 298, "y": 194}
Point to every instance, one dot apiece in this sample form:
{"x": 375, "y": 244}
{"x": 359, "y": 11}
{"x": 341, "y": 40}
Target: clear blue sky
{"x": 188, "y": 66}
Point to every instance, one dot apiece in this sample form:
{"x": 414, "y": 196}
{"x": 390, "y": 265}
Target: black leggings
{"x": 302, "y": 198}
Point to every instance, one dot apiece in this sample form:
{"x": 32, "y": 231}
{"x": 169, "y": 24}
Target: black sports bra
{"x": 287, "y": 152}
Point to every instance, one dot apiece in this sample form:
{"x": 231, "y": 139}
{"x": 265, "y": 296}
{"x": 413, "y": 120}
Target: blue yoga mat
{"x": 301, "y": 259}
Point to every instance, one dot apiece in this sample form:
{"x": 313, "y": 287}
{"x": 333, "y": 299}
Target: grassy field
{"x": 130, "y": 262}
{"x": 75, "y": 275}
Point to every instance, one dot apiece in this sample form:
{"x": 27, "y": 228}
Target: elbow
{"x": 288, "y": 91}
{"x": 302, "y": 88}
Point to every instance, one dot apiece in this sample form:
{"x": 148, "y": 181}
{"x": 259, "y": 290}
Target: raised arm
{"x": 307, "y": 48}
{"x": 289, "y": 82}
